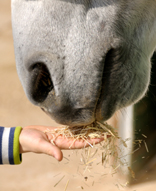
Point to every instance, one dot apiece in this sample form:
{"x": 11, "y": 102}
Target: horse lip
{"x": 98, "y": 112}
{"x": 101, "y": 89}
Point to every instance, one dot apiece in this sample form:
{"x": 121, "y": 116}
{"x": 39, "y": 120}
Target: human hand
{"x": 33, "y": 139}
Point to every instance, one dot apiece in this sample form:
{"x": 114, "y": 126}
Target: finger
{"x": 64, "y": 143}
{"x": 85, "y": 143}
{"x": 49, "y": 149}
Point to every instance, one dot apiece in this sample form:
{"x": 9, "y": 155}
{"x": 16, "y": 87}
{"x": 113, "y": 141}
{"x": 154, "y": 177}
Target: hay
{"x": 94, "y": 130}
{"x": 108, "y": 147}
{"x": 66, "y": 185}
{"x": 108, "y": 153}
{"x": 59, "y": 181}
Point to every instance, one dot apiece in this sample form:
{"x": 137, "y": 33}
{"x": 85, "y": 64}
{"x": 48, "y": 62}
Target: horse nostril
{"x": 41, "y": 83}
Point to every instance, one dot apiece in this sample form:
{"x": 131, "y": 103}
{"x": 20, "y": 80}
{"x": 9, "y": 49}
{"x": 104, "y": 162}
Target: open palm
{"x": 33, "y": 139}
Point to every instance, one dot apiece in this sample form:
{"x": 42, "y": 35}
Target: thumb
{"x": 49, "y": 149}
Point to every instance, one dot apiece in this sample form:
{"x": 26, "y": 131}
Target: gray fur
{"x": 96, "y": 51}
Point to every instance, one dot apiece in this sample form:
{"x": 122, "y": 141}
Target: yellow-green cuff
{"x": 16, "y": 146}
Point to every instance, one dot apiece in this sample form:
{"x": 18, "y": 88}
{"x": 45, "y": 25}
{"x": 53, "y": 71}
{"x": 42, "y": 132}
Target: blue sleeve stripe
{"x": 1, "y": 135}
{"x": 10, "y": 151}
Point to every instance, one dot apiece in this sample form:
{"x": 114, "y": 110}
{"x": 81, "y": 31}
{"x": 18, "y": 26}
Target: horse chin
{"x": 79, "y": 117}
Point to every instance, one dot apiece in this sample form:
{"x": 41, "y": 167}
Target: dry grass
{"x": 94, "y": 130}
{"x": 108, "y": 147}
{"x": 106, "y": 153}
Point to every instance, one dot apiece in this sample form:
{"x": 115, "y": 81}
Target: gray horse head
{"x": 81, "y": 60}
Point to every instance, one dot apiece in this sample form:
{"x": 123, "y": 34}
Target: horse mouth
{"x": 108, "y": 62}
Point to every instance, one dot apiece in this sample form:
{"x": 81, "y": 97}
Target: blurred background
{"x": 40, "y": 172}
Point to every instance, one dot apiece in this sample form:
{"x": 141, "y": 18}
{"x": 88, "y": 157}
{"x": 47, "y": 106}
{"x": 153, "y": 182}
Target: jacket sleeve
{"x": 9, "y": 145}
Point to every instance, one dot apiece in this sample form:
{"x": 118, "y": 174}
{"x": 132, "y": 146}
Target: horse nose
{"x": 40, "y": 82}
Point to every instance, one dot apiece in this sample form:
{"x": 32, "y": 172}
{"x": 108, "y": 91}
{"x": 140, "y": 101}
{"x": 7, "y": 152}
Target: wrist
{"x": 22, "y": 148}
